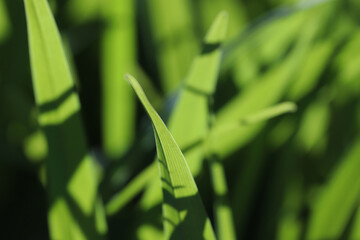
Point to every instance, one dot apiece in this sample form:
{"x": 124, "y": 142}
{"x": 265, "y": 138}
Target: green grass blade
{"x": 223, "y": 213}
{"x": 71, "y": 178}
{"x": 338, "y": 200}
{"x": 131, "y": 190}
{"x": 194, "y": 98}
{"x": 118, "y": 57}
{"x": 184, "y": 216}
{"x": 267, "y": 91}
{"x": 193, "y": 101}
{"x": 314, "y": 124}
{"x": 271, "y": 112}
{"x": 310, "y": 73}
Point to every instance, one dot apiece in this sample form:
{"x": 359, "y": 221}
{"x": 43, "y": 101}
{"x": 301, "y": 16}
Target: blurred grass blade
{"x": 5, "y": 26}
{"x": 253, "y": 119}
{"x": 131, "y": 190}
{"x": 338, "y": 200}
{"x": 193, "y": 101}
{"x": 314, "y": 124}
{"x": 309, "y": 75}
{"x": 168, "y": 21}
{"x": 224, "y": 217}
{"x": 81, "y": 11}
{"x": 71, "y": 179}
{"x": 184, "y": 216}
{"x": 118, "y": 57}
{"x": 265, "y": 92}
{"x": 269, "y": 18}
{"x": 271, "y": 112}
{"x": 196, "y": 95}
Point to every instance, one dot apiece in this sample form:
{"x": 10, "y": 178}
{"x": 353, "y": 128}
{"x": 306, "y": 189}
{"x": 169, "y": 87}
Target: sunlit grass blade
{"x": 338, "y": 200}
{"x": 271, "y": 112}
{"x": 196, "y": 94}
{"x": 184, "y": 216}
{"x": 193, "y": 100}
{"x": 118, "y": 57}
{"x": 223, "y": 214}
{"x": 71, "y": 180}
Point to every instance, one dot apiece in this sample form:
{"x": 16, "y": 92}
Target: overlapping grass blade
{"x": 311, "y": 71}
{"x": 262, "y": 94}
{"x": 184, "y": 216}
{"x": 118, "y": 57}
{"x": 193, "y": 101}
{"x": 71, "y": 178}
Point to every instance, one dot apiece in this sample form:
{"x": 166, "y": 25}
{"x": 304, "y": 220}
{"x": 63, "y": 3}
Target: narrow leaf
{"x": 184, "y": 216}
{"x": 279, "y": 109}
{"x": 193, "y": 101}
{"x": 118, "y": 57}
{"x": 71, "y": 178}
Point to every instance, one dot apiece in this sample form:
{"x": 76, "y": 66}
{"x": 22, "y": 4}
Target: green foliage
{"x": 263, "y": 117}
{"x": 119, "y": 52}
{"x": 183, "y": 213}
{"x": 70, "y": 175}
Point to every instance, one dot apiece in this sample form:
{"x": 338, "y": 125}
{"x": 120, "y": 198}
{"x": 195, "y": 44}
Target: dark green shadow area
{"x": 192, "y": 226}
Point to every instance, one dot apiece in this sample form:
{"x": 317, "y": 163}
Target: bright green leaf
{"x": 71, "y": 178}
{"x": 184, "y": 216}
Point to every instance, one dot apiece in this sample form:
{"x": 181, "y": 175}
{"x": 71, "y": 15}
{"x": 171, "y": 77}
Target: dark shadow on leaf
{"x": 67, "y": 149}
{"x": 210, "y": 47}
{"x": 192, "y": 226}
{"x": 52, "y": 105}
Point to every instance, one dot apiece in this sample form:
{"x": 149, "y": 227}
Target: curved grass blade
{"x": 184, "y": 216}
{"x": 71, "y": 177}
{"x": 270, "y": 112}
{"x": 193, "y": 100}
